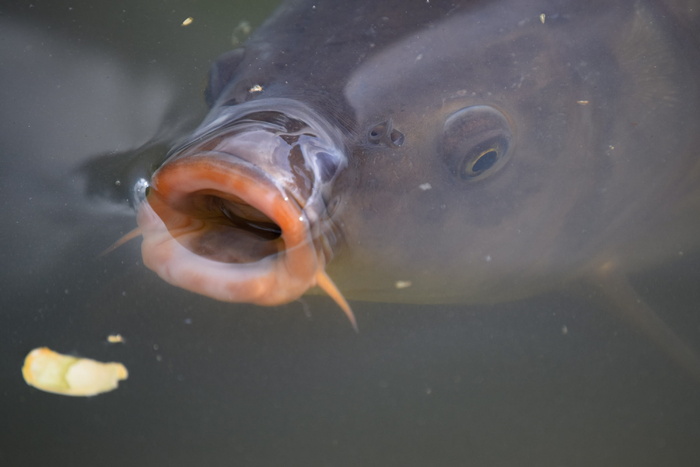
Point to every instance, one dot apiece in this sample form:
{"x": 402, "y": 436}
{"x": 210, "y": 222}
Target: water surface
{"x": 556, "y": 380}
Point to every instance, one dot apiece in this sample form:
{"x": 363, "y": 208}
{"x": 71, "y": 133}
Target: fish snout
{"x": 239, "y": 215}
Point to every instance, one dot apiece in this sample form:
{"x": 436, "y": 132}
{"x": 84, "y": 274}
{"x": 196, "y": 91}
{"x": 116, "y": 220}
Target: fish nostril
{"x": 385, "y": 134}
{"x": 377, "y": 133}
{"x": 397, "y": 138}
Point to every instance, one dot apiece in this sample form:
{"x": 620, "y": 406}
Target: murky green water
{"x": 552, "y": 381}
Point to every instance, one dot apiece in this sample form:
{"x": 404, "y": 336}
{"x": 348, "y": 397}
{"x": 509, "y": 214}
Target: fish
{"x": 439, "y": 152}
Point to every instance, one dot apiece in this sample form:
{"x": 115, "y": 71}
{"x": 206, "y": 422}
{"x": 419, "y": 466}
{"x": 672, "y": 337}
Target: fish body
{"x": 461, "y": 151}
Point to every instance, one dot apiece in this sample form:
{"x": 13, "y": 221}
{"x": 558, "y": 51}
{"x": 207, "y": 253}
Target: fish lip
{"x": 170, "y": 231}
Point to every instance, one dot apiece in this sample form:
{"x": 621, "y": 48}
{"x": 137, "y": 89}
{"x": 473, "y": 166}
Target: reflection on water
{"x": 555, "y": 380}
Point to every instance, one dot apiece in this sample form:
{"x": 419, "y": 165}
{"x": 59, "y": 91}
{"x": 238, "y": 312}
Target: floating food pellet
{"x": 70, "y": 376}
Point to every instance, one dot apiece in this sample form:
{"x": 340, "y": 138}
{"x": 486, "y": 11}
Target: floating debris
{"x": 187, "y": 21}
{"x": 53, "y": 372}
{"x": 240, "y": 32}
{"x": 115, "y": 339}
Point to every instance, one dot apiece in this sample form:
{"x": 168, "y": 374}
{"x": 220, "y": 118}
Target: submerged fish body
{"x": 469, "y": 151}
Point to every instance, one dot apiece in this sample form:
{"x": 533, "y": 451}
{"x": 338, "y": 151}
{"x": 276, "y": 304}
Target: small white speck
{"x": 564, "y": 330}
{"x": 425, "y": 186}
{"x": 487, "y": 258}
{"x": 542, "y": 18}
{"x": 402, "y": 284}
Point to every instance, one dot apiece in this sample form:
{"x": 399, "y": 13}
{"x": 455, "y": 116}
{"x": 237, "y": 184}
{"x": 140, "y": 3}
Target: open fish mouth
{"x": 239, "y": 215}
{"x": 222, "y": 228}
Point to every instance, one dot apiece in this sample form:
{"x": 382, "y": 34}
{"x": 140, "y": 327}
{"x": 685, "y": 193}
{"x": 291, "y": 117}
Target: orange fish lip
{"x": 189, "y": 204}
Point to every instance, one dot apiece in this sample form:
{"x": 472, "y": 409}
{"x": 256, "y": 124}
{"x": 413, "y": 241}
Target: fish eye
{"x": 476, "y": 142}
{"x": 483, "y": 161}
{"x": 483, "y": 158}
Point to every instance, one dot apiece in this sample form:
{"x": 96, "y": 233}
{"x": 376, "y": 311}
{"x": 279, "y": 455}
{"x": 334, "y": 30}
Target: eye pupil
{"x": 482, "y": 162}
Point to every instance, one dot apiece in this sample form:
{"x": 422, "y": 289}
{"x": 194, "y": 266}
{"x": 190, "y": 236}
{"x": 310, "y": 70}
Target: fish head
{"x": 483, "y": 147}
{"x": 487, "y": 153}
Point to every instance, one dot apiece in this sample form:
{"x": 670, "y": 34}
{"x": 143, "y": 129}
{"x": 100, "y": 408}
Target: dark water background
{"x": 216, "y": 384}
